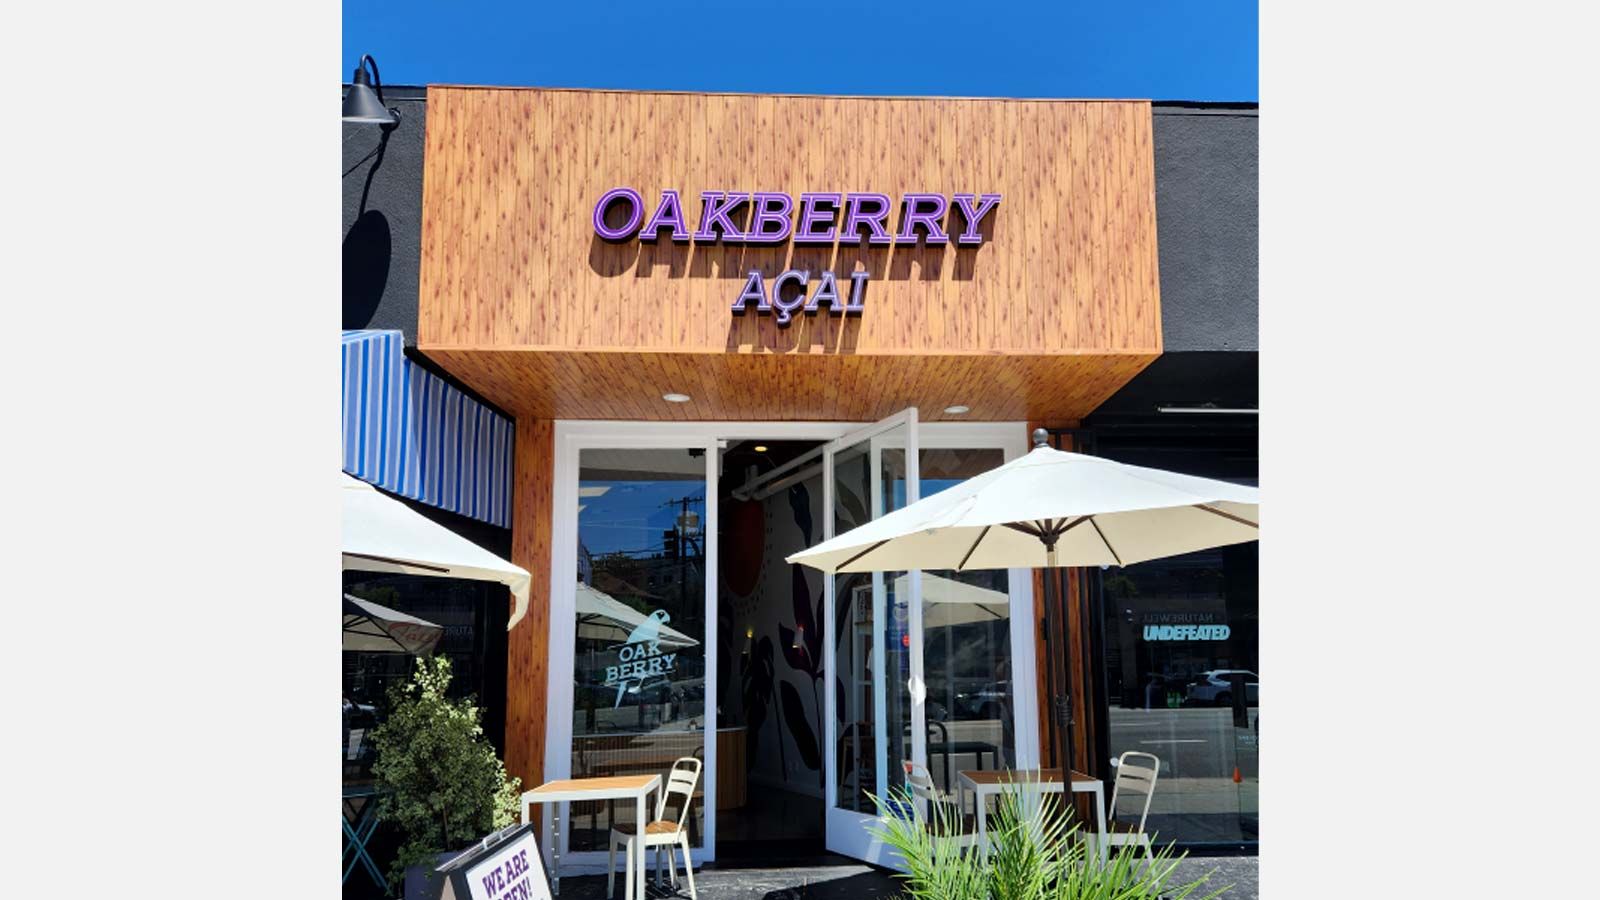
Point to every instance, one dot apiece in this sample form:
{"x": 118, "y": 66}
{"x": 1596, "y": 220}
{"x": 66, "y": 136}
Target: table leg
{"x": 350, "y": 846}
{"x": 982, "y": 810}
{"x": 356, "y": 845}
{"x": 639, "y": 824}
{"x": 1100, "y": 822}
{"x": 366, "y": 857}
{"x": 352, "y": 851}
{"x": 555, "y": 849}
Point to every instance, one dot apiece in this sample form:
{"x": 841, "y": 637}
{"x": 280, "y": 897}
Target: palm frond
{"x": 1035, "y": 853}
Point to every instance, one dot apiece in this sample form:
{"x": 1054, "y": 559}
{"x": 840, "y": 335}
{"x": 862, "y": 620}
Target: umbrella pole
{"x": 1050, "y": 667}
{"x": 1055, "y": 645}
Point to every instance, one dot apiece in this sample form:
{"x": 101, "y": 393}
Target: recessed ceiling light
{"x": 675, "y": 398}
{"x": 956, "y": 410}
{"x": 761, "y": 448}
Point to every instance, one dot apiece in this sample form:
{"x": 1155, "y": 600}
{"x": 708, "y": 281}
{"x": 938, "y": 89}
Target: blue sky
{"x": 1157, "y": 49}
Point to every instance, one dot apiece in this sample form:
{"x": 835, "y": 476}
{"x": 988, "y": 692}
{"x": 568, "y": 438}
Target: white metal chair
{"x": 661, "y": 833}
{"x": 1137, "y": 779}
{"x": 955, "y": 818}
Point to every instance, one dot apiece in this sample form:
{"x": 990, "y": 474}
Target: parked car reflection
{"x": 1217, "y": 687}
{"x": 987, "y": 701}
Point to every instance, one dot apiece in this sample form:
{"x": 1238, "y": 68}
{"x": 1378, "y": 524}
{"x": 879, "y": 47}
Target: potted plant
{"x": 1035, "y": 855}
{"x": 437, "y": 776}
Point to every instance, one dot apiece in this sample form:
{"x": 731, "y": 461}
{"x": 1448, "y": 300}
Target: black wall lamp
{"x": 364, "y": 101}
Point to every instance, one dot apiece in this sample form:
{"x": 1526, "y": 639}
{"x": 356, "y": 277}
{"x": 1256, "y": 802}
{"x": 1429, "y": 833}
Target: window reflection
{"x": 461, "y": 620}
{"x": 966, "y": 618}
{"x": 1181, "y": 665}
{"x": 858, "y": 638}
{"x": 464, "y": 621}
{"x": 639, "y": 660}
{"x": 966, "y": 621}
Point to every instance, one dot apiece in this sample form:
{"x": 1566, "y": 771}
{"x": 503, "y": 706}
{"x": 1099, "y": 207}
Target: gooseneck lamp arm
{"x": 360, "y": 76}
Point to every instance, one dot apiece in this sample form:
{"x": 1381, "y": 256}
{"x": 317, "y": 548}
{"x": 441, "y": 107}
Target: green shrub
{"x": 1035, "y": 854}
{"x": 439, "y": 779}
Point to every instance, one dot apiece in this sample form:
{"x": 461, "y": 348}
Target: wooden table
{"x": 985, "y": 784}
{"x": 616, "y": 787}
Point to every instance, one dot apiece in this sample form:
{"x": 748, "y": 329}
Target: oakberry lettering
{"x": 765, "y": 217}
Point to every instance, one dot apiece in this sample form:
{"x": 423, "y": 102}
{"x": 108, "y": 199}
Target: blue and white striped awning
{"x": 412, "y": 434}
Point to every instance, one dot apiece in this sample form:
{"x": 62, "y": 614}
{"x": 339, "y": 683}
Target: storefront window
{"x": 966, "y": 657}
{"x": 639, "y": 661}
{"x": 1181, "y": 665}
{"x": 469, "y": 618}
{"x": 966, "y": 621}
{"x": 464, "y": 621}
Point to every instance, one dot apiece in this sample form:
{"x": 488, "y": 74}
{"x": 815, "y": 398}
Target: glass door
{"x": 873, "y": 621}
{"x": 640, "y": 614}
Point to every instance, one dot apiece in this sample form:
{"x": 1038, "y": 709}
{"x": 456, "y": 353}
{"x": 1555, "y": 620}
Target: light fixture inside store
{"x": 364, "y": 101}
{"x": 675, "y": 398}
{"x": 761, "y": 448}
{"x": 957, "y": 410}
{"x": 1208, "y": 409}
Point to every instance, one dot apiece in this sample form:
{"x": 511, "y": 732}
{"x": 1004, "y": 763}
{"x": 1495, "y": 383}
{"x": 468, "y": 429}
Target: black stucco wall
{"x": 382, "y": 186}
{"x": 1206, "y": 227}
{"x": 1225, "y": 378}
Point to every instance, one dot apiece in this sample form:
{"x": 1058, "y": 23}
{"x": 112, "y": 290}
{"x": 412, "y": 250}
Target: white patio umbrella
{"x": 1048, "y": 509}
{"x": 948, "y": 602}
{"x": 374, "y": 628}
{"x": 381, "y": 534}
{"x": 602, "y": 617}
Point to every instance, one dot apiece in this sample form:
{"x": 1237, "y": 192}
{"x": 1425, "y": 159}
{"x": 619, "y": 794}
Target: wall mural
{"x": 757, "y": 680}
{"x": 778, "y": 645}
{"x": 741, "y": 554}
{"x": 802, "y": 650}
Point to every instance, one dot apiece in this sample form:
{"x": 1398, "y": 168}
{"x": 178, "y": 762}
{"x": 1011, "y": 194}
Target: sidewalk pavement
{"x": 860, "y": 882}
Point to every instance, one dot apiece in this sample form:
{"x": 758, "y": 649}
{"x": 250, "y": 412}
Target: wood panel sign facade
{"x": 721, "y": 322}
{"x": 785, "y": 257}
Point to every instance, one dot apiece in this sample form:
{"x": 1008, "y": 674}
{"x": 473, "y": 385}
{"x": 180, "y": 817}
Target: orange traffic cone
{"x": 1236, "y": 776}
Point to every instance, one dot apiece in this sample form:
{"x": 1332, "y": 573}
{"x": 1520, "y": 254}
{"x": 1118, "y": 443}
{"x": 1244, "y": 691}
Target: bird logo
{"x": 641, "y": 657}
{"x": 649, "y": 630}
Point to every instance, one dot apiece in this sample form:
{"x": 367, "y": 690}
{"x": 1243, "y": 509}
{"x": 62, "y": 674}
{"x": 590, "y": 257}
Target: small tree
{"x": 440, "y": 780}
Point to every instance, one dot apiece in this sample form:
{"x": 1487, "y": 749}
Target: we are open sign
{"x": 506, "y": 870}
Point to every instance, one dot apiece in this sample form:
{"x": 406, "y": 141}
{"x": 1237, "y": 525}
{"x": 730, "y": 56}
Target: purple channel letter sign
{"x": 825, "y": 218}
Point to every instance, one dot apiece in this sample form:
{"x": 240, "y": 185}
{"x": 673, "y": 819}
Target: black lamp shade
{"x": 362, "y": 103}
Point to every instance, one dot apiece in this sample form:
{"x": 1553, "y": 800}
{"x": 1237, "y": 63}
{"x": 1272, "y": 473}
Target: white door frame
{"x": 846, "y": 831}
{"x": 572, "y": 436}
